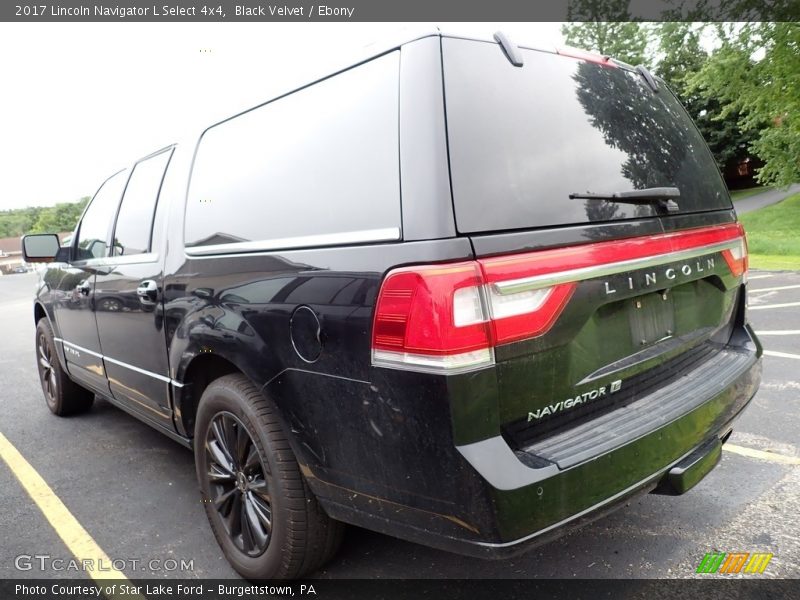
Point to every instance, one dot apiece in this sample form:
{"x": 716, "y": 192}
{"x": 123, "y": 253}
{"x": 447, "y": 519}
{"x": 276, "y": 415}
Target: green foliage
{"x": 744, "y": 97}
{"x": 18, "y": 221}
{"x": 624, "y": 41}
{"x": 755, "y": 76}
{"x": 772, "y": 232}
{"x": 606, "y": 27}
{"x": 36, "y": 219}
{"x": 681, "y": 56}
{"x": 61, "y": 217}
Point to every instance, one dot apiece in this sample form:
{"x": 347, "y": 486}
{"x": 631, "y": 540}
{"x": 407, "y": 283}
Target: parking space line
{"x": 776, "y": 289}
{"x": 763, "y": 276}
{"x": 781, "y": 354}
{"x": 779, "y": 332}
{"x": 764, "y": 306}
{"x": 76, "y": 538}
{"x": 761, "y": 454}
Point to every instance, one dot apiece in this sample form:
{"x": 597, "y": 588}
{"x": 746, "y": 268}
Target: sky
{"x": 80, "y": 101}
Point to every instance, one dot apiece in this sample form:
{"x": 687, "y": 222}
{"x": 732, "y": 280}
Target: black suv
{"x": 462, "y": 292}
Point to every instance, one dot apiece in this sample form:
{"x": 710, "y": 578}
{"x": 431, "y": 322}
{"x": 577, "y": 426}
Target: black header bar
{"x": 398, "y": 10}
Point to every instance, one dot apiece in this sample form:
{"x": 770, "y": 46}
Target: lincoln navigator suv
{"x": 463, "y": 292}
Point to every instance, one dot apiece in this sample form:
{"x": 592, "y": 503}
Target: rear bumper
{"x": 627, "y": 451}
{"x": 539, "y": 493}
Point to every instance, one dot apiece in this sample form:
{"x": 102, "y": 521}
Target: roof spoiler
{"x": 510, "y": 49}
{"x": 647, "y": 76}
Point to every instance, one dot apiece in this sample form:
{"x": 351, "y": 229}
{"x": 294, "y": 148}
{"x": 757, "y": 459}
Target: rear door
{"x": 128, "y": 298}
{"x": 593, "y": 302}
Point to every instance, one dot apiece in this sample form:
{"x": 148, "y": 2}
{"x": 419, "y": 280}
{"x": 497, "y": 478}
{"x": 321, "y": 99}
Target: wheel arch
{"x": 198, "y": 372}
{"x": 39, "y": 312}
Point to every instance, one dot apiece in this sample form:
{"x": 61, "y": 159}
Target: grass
{"x": 772, "y": 235}
{"x": 746, "y": 193}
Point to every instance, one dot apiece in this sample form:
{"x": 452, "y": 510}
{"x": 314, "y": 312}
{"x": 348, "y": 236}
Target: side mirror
{"x": 41, "y": 247}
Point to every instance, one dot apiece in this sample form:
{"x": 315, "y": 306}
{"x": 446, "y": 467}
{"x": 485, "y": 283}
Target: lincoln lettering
{"x": 652, "y": 278}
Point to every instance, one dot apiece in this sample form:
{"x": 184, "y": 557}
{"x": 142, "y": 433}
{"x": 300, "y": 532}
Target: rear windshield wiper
{"x": 663, "y": 197}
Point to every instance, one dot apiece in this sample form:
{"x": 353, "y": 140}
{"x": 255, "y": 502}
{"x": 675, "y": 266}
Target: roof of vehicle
{"x": 382, "y": 46}
{"x": 375, "y": 49}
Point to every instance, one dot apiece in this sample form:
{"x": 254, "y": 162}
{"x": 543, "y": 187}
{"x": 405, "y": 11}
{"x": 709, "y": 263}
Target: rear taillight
{"x": 736, "y": 256}
{"x": 432, "y": 318}
{"x": 448, "y": 318}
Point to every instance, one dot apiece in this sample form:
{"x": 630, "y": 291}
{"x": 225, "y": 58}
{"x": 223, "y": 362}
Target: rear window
{"x": 317, "y": 167}
{"x": 522, "y": 139}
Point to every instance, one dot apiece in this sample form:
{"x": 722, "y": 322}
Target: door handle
{"x": 147, "y": 292}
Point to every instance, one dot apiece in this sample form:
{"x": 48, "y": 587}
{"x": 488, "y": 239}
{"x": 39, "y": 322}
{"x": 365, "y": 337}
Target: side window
{"x": 96, "y": 222}
{"x": 135, "y": 219}
{"x": 322, "y": 162}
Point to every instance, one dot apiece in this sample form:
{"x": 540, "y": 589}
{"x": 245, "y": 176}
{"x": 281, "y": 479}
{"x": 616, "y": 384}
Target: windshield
{"x": 523, "y": 139}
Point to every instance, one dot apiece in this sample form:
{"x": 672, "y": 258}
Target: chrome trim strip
{"x": 163, "y": 378}
{"x": 306, "y": 241}
{"x": 137, "y": 369}
{"x": 82, "y": 349}
{"x": 466, "y": 362}
{"x": 541, "y": 281}
{"x": 129, "y": 259}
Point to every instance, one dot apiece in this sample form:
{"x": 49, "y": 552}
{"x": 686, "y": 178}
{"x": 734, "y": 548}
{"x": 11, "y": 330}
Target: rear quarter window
{"x": 522, "y": 139}
{"x": 319, "y": 166}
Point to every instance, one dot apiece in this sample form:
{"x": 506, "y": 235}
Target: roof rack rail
{"x": 510, "y": 49}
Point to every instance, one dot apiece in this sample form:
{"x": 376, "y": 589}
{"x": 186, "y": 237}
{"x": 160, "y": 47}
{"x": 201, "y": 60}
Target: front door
{"x": 73, "y": 287}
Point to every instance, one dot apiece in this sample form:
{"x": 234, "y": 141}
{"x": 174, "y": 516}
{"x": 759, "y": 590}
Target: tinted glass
{"x": 135, "y": 220}
{"x": 321, "y": 161}
{"x": 523, "y": 139}
{"x": 96, "y": 223}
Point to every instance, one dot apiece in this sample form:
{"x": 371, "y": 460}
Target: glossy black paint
{"x": 69, "y": 297}
{"x": 131, "y": 331}
{"x": 378, "y": 446}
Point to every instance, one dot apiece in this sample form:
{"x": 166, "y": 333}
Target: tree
{"x": 36, "y": 219}
{"x": 680, "y": 57}
{"x": 61, "y": 217}
{"x": 679, "y": 54}
{"x": 607, "y": 28}
{"x": 755, "y": 77}
{"x": 627, "y": 42}
{"x": 16, "y": 222}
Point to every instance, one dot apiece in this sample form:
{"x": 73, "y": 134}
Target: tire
{"x": 263, "y": 515}
{"x": 62, "y": 395}
{"x": 109, "y": 305}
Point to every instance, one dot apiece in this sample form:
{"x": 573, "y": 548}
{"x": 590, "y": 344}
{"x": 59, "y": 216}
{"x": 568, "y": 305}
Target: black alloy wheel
{"x": 63, "y": 396}
{"x": 265, "y": 518}
{"x": 47, "y": 373}
{"x": 236, "y": 478}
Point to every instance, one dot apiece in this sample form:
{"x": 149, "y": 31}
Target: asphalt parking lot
{"x": 134, "y": 491}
